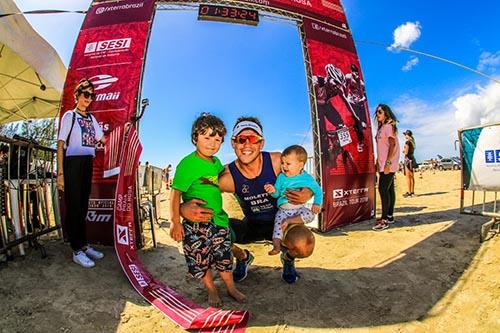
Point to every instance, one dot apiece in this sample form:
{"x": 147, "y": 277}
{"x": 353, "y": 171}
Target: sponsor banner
{"x": 344, "y": 127}
{"x": 349, "y": 200}
{"x": 102, "y": 13}
{"x": 329, "y": 34}
{"x": 481, "y": 158}
{"x": 178, "y": 308}
{"x": 101, "y": 213}
{"x": 324, "y": 10}
{"x": 110, "y": 45}
{"x": 110, "y": 52}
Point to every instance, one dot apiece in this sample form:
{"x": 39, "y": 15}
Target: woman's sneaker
{"x": 380, "y": 225}
{"x": 390, "y": 219}
{"x": 93, "y": 253}
{"x": 81, "y": 259}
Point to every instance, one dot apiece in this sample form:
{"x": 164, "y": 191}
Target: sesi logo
{"x": 106, "y": 45}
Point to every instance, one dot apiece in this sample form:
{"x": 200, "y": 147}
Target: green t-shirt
{"x": 199, "y": 178}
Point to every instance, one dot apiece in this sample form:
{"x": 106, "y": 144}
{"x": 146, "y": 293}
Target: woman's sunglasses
{"x": 88, "y": 94}
{"x": 380, "y": 111}
{"x": 242, "y": 139}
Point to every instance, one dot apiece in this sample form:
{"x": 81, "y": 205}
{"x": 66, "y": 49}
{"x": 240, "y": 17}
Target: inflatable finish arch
{"x": 111, "y": 49}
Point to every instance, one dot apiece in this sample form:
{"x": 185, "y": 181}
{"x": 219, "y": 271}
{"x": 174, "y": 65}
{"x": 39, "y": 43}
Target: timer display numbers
{"x": 228, "y": 14}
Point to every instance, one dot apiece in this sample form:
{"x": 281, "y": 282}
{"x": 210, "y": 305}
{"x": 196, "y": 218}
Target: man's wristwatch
{"x": 388, "y": 162}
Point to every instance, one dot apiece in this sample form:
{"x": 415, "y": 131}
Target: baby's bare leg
{"x": 213, "y": 296}
{"x": 227, "y": 277}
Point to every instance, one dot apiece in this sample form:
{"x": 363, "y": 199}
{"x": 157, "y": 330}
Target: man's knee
{"x": 299, "y": 241}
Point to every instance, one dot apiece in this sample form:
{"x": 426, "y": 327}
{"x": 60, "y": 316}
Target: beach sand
{"x": 427, "y": 273}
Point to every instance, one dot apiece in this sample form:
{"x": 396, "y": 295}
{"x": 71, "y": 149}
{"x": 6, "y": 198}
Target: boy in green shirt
{"x": 208, "y": 244}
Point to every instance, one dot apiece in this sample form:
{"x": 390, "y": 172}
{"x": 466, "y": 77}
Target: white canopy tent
{"x": 31, "y": 72}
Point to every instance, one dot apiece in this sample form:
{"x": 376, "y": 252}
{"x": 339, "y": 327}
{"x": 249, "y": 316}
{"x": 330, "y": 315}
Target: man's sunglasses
{"x": 242, "y": 139}
{"x": 87, "y": 94}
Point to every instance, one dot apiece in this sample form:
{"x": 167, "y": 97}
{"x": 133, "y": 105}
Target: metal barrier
{"x": 492, "y": 209}
{"x": 28, "y": 195}
{"x": 150, "y": 183}
{"x": 480, "y": 159}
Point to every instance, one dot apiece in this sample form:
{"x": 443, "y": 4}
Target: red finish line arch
{"x": 111, "y": 50}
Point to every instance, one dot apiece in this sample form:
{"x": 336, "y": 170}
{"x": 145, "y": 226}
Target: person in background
{"x": 410, "y": 164}
{"x": 79, "y": 133}
{"x": 387, "y": 163}
{"x": 166, "y": 175}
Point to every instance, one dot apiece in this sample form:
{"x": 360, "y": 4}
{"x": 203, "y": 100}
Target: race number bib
{"x": 344, "y": 136}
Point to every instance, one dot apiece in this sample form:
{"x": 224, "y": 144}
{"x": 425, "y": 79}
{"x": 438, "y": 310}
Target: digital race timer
{"x": 228, "y": 14}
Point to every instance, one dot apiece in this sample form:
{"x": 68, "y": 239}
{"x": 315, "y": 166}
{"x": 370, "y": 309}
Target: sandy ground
{"x": 427, "y": 273}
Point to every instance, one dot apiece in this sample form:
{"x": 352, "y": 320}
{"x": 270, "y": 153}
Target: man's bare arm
{"x": 226, "y": 182}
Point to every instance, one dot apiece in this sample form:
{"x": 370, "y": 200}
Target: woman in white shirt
{"x": 79, "y": 132}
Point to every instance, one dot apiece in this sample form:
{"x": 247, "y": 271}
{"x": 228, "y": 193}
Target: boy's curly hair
{"x": 206, "y": 122}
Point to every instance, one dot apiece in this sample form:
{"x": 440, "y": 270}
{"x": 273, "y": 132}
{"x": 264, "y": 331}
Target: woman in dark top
{"x": 410, "y": 163}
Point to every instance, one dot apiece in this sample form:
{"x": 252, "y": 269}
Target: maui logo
{"x": 106, "y": 45}
{"x": 102, "y": 81}
{"x": 122, "y": 235}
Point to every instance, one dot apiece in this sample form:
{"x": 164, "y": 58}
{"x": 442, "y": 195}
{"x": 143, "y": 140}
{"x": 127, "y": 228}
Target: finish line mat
{"x": 179, "y": 309}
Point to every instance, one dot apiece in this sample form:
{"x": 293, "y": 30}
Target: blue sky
{"x": 232, "y": 70}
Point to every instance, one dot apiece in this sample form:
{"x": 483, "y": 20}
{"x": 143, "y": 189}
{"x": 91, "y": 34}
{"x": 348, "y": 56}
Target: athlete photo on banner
{"x": 345, "y": 135}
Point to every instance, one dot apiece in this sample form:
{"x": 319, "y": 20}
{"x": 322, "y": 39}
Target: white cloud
{"x": 413, "y": 61}
{"x": 405, "y": 35}
{"x": 435, "y": 124}
{"x": 489, "y": 61}
{"x": 479, "y": 107}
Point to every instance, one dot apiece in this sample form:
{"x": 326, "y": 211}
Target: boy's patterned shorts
{"x": 206, "y": 245}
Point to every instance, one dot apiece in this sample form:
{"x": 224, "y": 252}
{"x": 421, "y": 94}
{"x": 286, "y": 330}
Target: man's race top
{"x": 256, "y": 203}
{"x": 84, "y": 135}
{"x": 198, "y": 178}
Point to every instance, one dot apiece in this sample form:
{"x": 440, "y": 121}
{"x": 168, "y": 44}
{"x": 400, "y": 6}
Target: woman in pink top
{"x": 387, "y": 163}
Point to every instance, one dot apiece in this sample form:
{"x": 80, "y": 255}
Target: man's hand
{"x": 387, "y": 169}
{"x": 269, "y": 188}
{"x": 60, "y": 181}
{"x": 316, "y": 209}
{"x": 176, "y": 231}
{"x": 192, "y": 211}
{"x": 299, "y": 197}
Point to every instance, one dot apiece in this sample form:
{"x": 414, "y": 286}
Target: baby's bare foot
{"x": 237, "y": 295}
{"x": 214, "y": 299}
{"x": 274, "y": 251}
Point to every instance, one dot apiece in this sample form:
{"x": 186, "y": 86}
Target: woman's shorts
{"x": 410, "y": 164}
{"x": 206, "y": 246}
